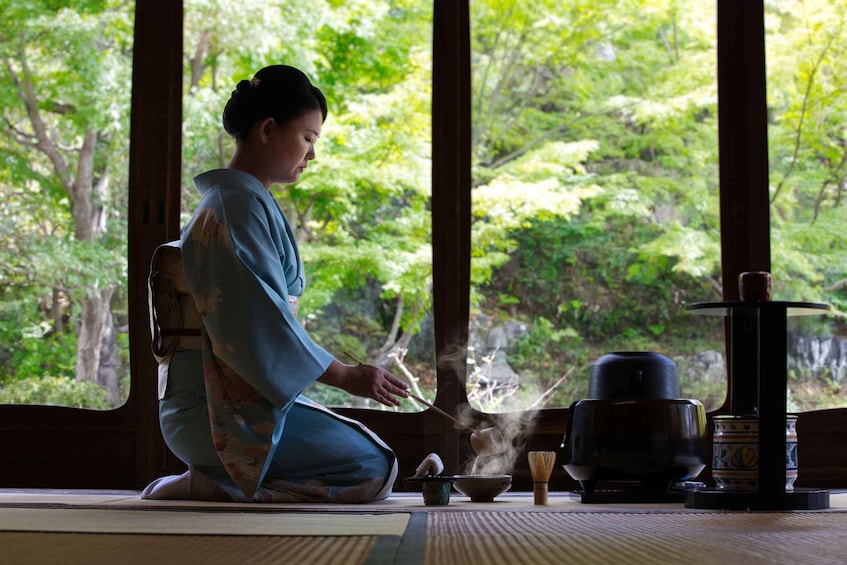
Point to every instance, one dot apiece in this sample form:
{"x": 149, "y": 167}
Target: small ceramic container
{"x": 436, "y": 492}
{"x": 735, "y": 453}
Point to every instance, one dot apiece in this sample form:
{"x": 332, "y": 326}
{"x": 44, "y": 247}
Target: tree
{"x": 595, "y": 166}
{"x": 807, "y": 48}
{"x": 66, "y": 101}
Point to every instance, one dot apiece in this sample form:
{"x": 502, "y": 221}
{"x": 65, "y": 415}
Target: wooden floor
{"x": 69, "y": 527}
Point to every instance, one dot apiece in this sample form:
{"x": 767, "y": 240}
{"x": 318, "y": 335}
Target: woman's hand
{"x": 366, "y": 381}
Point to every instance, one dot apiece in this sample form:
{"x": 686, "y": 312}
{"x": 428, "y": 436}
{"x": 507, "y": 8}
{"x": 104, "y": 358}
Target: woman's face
{"x": 291, "y": 146}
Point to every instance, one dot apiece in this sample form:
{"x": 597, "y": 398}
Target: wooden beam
{"x": 743, "y": 140}
{"x": 451, "y": 204}
{"x": 154, "y": 200}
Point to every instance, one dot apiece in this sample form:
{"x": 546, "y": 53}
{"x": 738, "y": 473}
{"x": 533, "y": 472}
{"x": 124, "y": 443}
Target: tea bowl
{"x": 482, "y": 488}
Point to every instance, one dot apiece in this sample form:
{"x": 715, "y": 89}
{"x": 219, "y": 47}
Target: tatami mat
{"x": 105, "y": 520}
{"x": 121, "y": 528}
{"x": 693, "y": 538}
{"x": 26, "y": 548}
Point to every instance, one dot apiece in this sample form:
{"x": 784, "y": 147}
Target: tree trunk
{"x": 92, "y": 321}
{"x": 107, "y": 371}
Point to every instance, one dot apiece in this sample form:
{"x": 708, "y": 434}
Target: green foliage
{"x": 65, "y": 92}
{"x": 29, "y": 348}
{"x": 595, "y": 168}
{"x": 545, "y": 354}
{"x": 328, "y": 396}
{"x": 807, "y": 50}
{"x": 54, "y": 391}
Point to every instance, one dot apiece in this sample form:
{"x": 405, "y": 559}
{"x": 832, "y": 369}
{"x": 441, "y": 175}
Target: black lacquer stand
{"x": 758, "y": 365}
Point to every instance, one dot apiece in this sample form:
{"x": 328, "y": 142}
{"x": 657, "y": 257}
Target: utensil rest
{"x": 759, "y": 370}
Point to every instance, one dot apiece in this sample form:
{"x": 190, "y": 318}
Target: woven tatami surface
{"x": 75, "y": 528}
{"x": 27, "y": 548}
{"x": 636, "y": 538}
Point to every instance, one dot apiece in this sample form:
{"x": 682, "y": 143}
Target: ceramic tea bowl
{"x": 482, "y": 488}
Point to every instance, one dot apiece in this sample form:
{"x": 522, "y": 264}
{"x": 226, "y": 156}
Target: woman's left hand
{"x": 366, "y": 381}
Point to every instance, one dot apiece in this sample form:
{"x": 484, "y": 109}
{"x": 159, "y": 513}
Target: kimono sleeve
{"x": 236, "y": 272}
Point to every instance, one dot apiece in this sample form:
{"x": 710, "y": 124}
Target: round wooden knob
{"x": 755, "y": 286}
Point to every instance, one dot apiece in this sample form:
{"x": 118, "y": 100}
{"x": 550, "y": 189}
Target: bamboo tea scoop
{"x": 442, "y": 412}
{"x": 484, "y": 442}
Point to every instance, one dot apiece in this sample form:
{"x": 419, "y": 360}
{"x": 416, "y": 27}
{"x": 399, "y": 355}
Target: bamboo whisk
{"x": 541, "y": 466}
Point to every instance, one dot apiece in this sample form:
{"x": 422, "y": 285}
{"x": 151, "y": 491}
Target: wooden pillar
{"x": 451, "y": 201}
{"x": 154, "y": 200}
{"x": 742, "y": 131}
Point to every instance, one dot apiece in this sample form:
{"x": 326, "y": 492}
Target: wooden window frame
{"x": 55, "y": 447}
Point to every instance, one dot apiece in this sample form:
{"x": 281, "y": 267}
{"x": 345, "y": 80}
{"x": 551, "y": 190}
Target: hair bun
{"x": 278, "y": 91}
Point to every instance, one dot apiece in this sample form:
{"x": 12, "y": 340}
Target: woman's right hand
{"x": 366, "y": 381}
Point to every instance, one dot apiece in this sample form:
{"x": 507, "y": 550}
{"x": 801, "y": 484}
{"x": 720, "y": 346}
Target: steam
{"x": 511, "y": 427}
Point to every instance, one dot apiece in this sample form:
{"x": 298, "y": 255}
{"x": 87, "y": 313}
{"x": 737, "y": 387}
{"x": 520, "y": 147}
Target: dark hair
{"x": 278, "y": 91}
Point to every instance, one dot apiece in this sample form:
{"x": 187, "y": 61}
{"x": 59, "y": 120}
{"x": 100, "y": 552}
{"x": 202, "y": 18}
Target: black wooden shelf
{"x": 759, "y": 370}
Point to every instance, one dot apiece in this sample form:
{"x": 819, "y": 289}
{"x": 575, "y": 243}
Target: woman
{"x": 232, "y": 410}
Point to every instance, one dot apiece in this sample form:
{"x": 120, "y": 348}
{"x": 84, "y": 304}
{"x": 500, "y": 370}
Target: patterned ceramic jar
{"x": 735, "y": 453}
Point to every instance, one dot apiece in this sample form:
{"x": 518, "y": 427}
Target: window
{"x": 595, "y": 196}
{"x": 806, "y": 45}
{"x": 63, "y": 273}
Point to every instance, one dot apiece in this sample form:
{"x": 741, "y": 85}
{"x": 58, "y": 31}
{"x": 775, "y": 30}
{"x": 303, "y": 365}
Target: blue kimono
{"x": 233, "y": 410}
